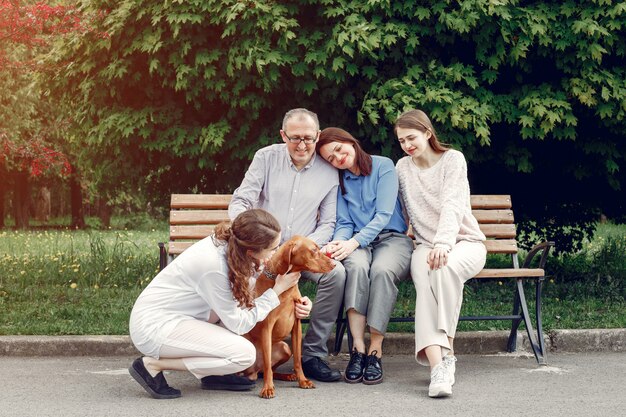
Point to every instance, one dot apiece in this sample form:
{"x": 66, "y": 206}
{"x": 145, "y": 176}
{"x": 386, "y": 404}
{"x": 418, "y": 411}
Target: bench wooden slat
{"x": 176, "y": 248}
{"x": 511, "y": 273}
{"x": 494, "y": 201}
{"x": 494, "y": 216}
{"x": 500, "y": 231}
{"x": 501, "y": 246}
{"x": 198, "y": 216}
{"x": 204, "y": 201}
{"x": 190, "y": 232}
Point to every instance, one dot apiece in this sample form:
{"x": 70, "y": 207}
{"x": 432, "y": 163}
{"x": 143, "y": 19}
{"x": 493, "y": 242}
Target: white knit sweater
{"x": 437, "y": 201}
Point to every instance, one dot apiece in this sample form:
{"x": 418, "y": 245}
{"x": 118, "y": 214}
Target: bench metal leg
{"x": 345, "y": 329}
{"x": 340, "y": 330}
{"x": 162, "y": 256}
{"x": 512, "y": 343}
{"x": 341, "y": 325}
{"x": 534, "y": 339}
{"x": 538, "y": 288}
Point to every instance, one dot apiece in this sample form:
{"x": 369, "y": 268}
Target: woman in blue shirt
{"x": 370, "y": 239}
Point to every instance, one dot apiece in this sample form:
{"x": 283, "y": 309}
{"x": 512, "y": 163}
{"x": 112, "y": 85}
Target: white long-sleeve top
{"x": 437, "y": 201}
{"x": 194, "y": 286}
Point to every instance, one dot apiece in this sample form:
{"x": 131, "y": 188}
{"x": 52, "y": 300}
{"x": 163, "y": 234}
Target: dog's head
{"x": 301, "y": 254}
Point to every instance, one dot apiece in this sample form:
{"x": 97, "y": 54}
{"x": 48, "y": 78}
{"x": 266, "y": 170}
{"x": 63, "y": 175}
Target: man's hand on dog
{"x": 303, "y": 307}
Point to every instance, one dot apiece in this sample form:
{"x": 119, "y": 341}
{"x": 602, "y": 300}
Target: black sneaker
{"x": 230, "y": 382}
{"x": 355, "y": 368}
{"x": 156, "y": 386}
{"x": 373, "y": 373}
{"x": 316, "y": 368}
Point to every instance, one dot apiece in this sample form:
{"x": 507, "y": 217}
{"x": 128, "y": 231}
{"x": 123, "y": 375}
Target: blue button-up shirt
{"x": 370, "y": 205}
{"x": 303, "y": 201}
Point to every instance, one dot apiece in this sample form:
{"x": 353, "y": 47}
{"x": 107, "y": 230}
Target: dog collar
{"x": 269, "y": 274}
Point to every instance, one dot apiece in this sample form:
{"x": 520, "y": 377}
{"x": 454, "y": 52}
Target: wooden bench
{"x": 193, "y": 217}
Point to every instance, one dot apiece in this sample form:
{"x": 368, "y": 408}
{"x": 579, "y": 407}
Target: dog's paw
{"x": 306, "y": 384}
{"x": 267, "y": 392}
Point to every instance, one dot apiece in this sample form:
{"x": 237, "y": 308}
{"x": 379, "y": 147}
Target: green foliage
{"x": 17, "y": 102}
{"x": 568, "y": 226}
{"x": 598, "y": 271}
{"x": 525, "y": 89}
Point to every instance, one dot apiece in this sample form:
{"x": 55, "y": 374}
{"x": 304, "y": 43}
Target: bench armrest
{"x": 544, "y": 248}
{"x": 162, "y": 256}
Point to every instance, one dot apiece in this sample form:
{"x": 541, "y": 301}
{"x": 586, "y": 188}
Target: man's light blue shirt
{"x": 370, "y": 205}
{"x": 304, "y": 202}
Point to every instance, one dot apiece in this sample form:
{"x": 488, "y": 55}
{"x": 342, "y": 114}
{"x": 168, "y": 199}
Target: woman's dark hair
{"x": 417, "y": 119}
{"x": 253, "y": 230}
{"x": 362, "y": 159}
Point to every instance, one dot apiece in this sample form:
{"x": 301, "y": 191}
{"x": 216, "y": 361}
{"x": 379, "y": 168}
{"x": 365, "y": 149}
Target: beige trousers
{"x": 439, "y": 294}
{"x": 208, "y": 349}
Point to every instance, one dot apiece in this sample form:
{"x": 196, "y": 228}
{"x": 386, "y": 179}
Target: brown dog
{"x": 297, "y": 254}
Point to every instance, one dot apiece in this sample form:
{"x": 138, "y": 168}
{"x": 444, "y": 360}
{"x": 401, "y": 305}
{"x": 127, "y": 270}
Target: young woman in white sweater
{"x": 435, "y": 191}
{"x": 192, "y": 316}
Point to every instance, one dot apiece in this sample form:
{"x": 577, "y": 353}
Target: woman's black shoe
{"x": 354, "y": 370}
{"x": 155, "y": 386}
{"x": 373, "y": 373}
{"x": 230, "y": 382}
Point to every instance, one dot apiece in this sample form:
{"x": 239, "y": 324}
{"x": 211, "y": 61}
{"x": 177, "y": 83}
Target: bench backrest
{"x": 193, "y": 217}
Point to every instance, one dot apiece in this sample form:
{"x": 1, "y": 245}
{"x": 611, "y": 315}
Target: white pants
{"x": 439, "y": 294}
{"x": 208, "y": 349}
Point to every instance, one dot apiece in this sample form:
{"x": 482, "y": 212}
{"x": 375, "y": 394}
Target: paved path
{"x": 580, "y": 384}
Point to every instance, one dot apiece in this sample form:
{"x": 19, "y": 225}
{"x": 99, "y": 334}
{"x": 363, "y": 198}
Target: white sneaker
{"x": 449, "y": 362}
{"x": 439, "y": 382}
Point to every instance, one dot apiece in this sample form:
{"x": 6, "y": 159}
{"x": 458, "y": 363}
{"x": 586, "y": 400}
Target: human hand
{"x": 437, "y": 258}
{"x": 341, "y": 249}
{"x": 286, "y": 281}
{"x": 303, "y": 307}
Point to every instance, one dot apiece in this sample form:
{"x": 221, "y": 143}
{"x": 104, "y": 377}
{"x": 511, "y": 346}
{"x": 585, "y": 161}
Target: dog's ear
{"x": 289, "y": 255}
{"x": 295, "y": 246}
{"x": 292, "y": 249}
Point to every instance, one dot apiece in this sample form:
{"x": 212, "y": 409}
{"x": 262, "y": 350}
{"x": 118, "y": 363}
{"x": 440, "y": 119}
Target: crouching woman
{"x": 193, "y": 313}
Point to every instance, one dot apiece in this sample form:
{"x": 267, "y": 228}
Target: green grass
{"x": 73, "y": 282}
{"x": 85, "y": 282}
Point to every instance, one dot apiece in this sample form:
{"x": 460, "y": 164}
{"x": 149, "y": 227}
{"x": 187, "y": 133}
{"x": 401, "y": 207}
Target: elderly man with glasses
{"x": 300, "y": 190}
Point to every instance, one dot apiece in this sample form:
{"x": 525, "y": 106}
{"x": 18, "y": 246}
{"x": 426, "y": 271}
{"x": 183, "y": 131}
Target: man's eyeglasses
{"x": 307, "y": 139}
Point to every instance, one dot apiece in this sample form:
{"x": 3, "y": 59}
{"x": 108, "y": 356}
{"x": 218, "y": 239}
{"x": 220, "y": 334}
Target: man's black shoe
{"x": 373, "y": 373}
{"x": 318, "y": 369}
{"x": 156, "y": 386}
{"x": 230, "y": 382}
{"x": 355, "y": 368}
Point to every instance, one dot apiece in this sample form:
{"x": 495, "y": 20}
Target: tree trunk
{"x": 21, "y": 200}
{"x": 76, "y": 198}
{"x": 104, "y": 212}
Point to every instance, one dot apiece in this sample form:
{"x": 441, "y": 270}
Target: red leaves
{"x": 32, "y": 24}
{"x": 34, "y": 157}
{"x": 26, "y": 24}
